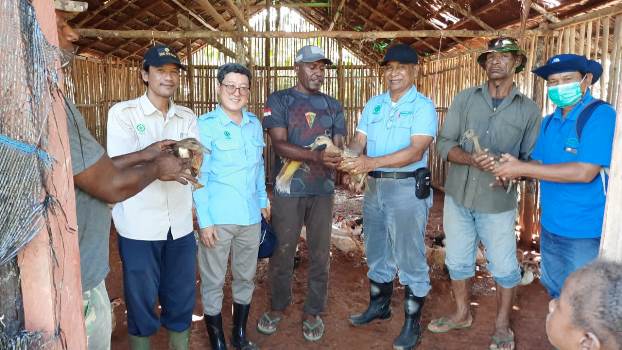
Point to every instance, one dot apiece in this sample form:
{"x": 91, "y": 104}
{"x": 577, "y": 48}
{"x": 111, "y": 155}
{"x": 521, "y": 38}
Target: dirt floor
{"x": 348, "y": 293}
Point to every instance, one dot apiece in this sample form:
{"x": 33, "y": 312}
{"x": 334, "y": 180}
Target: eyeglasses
{"x": 230, "y": 89}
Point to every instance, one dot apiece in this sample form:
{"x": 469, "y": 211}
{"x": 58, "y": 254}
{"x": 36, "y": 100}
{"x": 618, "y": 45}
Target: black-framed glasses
{"x": 230, "y": 89}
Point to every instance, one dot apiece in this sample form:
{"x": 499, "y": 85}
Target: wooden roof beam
{"x": 423, "y": 19}
{"x": 365, "y": 56}
{"x": 215, "y": 14}
{"x": 92, "y": 14}
{"x": 194, "y": 15}
{"x": 384, "y": 17}
{"x": 541, "y": 10}
{"x": 226, "y": 25}
{"x": 215, "y": 43}
{"x": 162, "y": 20}
{"x": 238, "y": 13}
{"x": 336, "y": 16}
{"x": 469, "y": 15}
{"x": 354, "y": 35}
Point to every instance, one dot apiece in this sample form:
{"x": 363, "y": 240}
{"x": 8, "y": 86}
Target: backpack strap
{"x": 586, "y": 113}
{"x": 582, "y": 119}
{"x": 546, "y": 125}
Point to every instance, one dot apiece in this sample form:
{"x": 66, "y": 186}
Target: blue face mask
{"x": 565, "y": 95}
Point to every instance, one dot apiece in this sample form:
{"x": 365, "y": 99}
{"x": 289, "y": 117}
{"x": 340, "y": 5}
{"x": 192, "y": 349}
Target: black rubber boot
{"x": 411, "y": 330}
{"x": 215, "y": 332}
{"x": 238, "y": 339}
{"x": 379, "y": 304}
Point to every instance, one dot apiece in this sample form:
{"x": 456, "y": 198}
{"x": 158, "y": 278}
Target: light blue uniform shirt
{"x": 233, "y": 172}
{"x": 575, "y": 210}
{"x": 389, "y": 126}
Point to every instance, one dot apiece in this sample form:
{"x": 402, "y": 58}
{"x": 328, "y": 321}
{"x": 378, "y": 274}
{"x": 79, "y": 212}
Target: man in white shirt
{"x": 156, "y": 243}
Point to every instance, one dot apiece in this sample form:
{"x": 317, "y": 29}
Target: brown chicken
{"x": 193, "y": 149}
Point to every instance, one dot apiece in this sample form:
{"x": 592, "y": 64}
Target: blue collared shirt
{"x": 575, "y": 210}
{"x": 389, "y": 126}
{"x": 233, "y": 172}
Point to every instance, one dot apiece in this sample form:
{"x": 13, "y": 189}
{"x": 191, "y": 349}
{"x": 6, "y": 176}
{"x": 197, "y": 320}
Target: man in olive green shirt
{"x": 476, "y": 208}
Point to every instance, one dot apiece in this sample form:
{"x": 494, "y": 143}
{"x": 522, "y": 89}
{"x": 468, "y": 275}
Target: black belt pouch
{"x": 423, "y": 183}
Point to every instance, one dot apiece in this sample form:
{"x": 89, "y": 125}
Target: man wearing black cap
{"x": 396, "y": 128}
{"x": 571, "y": 160}
{"x": 476, "y": 209}
{"x": 156, "y": 240}
{"x": 295, "y": 117}
{"x": 99, "y": 180}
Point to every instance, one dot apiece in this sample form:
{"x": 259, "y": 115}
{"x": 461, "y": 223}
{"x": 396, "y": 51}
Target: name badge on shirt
{"x": 571, "y": 145}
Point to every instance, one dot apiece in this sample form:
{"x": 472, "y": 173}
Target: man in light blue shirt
{"x": 230, "y": 205}
{"x": 397, "y": 128}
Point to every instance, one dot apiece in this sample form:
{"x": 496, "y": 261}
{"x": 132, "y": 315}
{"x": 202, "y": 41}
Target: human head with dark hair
{"x": 234, "y": 82}
{"x": 160, "y": 71}
{"x": 232, "y": 68}
{"x": 588, "y": 314}
{"x": 309, "y": 65}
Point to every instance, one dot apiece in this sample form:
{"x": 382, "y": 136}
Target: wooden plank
{"x": 199, "y": 34}
{"x": 605, "y": 57}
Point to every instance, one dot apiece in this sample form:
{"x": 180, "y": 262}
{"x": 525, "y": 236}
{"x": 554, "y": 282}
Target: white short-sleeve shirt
{"x": 132, "y": 126}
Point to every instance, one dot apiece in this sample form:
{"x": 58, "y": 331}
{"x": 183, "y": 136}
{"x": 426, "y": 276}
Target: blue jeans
{"x": 394, "y": 221}
{"x": 465, "y": 228}
{"x": 163, "y": 271}
{"x": 561, "y": 256}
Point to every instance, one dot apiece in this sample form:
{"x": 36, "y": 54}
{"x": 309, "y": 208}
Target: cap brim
{"x": 315, "y": 59}
{"x": 384, "y": 62}
{"x": 568, "y": 66}
{"x": 481, "y": 59}
{"x": 168, "y": 60}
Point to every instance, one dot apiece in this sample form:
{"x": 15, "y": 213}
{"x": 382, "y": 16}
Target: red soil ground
{"x": 348, "y": 293}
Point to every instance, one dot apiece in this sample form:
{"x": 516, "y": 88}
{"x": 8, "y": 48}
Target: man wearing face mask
{"x": 294, "y": 118}
{"x": 505, "y": 121}
{"x": 571, "y": 160}
{"x": 396, "y": 129}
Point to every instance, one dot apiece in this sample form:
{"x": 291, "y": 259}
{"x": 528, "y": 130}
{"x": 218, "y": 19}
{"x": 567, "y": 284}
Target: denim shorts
{"x": 465, "y": 228}
{"x": 561, "y": 256}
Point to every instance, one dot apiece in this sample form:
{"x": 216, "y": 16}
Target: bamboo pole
{"x": 201, "y": 34}
{"x": 238, "y": 14}
{"x": 541, "y": 10}
{"x": 606, "y": 11}
{"x": 605, "y": 57}
{"x": 336, "y": 17}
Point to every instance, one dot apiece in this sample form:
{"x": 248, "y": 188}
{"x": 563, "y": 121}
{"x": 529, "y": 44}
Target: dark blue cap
{"x": 568, "y": 62}
{"x": 401, "y": 53}
{"x": 159, "y": 55}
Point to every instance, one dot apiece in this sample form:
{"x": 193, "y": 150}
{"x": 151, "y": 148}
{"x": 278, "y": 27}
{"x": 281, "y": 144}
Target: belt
{"x": 391, "y": 175}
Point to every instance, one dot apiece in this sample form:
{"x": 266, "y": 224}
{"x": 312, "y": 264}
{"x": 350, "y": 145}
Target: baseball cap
{"x": 159, "y": 55}
{"x": 401, "y": 53}
{"x": 311, "y": 53}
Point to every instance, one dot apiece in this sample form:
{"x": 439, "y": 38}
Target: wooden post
{"x": 50, "y": 264}
{"x": 611, "y": 241}
{"x": 190, "y": 74}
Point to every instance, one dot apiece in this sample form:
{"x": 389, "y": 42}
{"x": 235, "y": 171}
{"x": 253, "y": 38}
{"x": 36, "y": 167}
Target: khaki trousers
{"x": 243, "y": 243}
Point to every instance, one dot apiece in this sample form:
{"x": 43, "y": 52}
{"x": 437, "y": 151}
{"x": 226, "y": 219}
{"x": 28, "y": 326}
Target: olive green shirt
{"x": 512, "y": 128}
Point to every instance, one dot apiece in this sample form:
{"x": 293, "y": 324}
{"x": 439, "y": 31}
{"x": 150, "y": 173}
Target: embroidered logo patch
{"x": 310, "y": 116}
{"x": 267, "y": 112}
{"x": 141, "y": 128}
{"x": 377, "y": 109}
{"x": 227, "y": 135}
